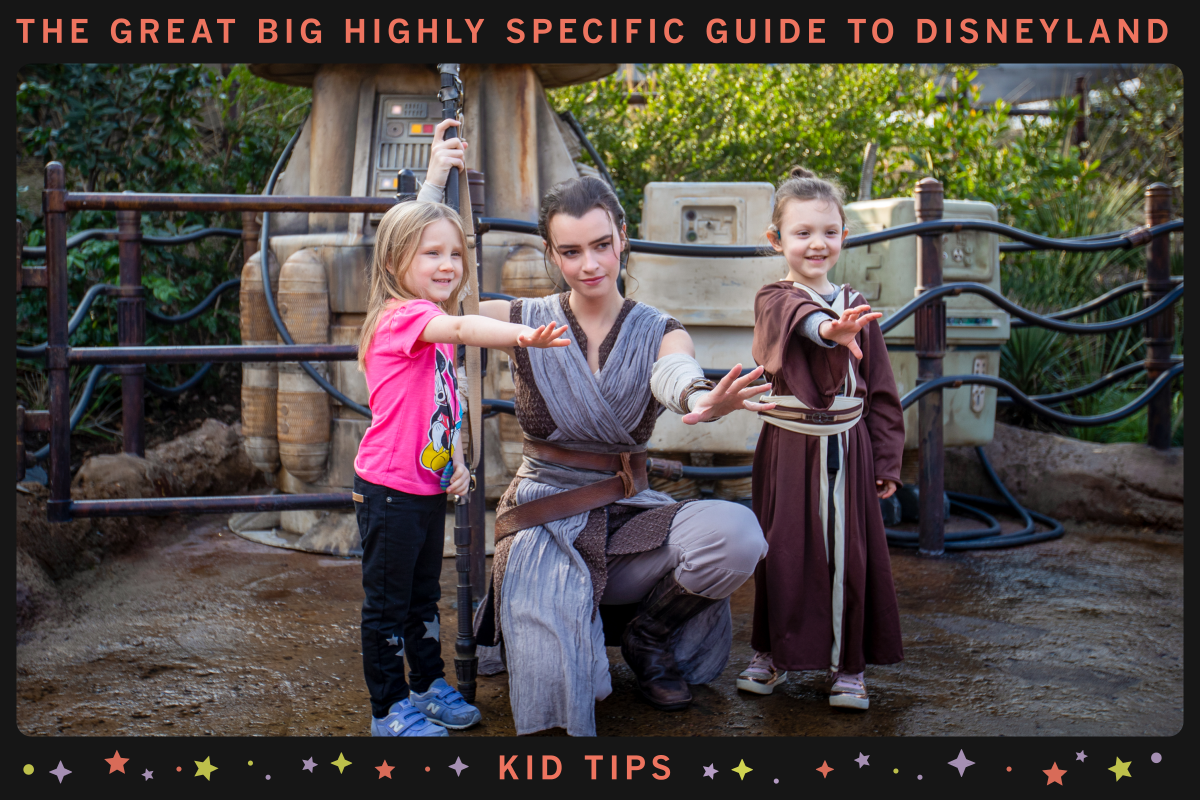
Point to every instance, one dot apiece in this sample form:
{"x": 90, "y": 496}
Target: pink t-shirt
{"x": 414, "y": 403}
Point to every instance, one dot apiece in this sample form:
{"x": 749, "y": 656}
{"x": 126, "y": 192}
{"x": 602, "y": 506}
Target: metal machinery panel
{"x": 404, "y": 126}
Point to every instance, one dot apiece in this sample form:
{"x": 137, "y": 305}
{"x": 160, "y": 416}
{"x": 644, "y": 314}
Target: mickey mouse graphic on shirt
{"x": 442, "y": 424}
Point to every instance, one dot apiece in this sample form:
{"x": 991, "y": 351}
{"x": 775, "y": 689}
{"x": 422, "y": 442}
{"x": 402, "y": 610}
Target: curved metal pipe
{"x": 175, "y": 391}
{"x": 110, "y": 234}
{"x": 955, "y": 289}
{"x": 39, "y": 350}
{"x": 84, "y": 401}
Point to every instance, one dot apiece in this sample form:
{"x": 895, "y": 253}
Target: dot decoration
{"x": 1008, "y": 769}
{"x": 268, "y": 777}
{"x": 427, "y": 769}
{"x": 1156, "y": 758}
{"x": 896, "y": 771}
{"x": 777, "y": 780}
{"x": 920, "y": 777}
{"x": 179, "y": 769}
{"x": 249, "y": 763}
{"x": 28, "y": 768}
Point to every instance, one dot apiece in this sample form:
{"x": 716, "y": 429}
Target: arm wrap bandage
{"x": 677, "y": 381}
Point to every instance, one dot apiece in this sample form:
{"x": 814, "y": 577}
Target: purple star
{"x": 1080, "y": 756}
{"x": 458, "y": 766}
{"x": 710, "y": 771}
{"x": 61, "y": 772}
{"x": 862, "y": 760}
{"x": 961, "y": 763}
{"x": 309, "y": 764}
{"x": 148, "y": 774}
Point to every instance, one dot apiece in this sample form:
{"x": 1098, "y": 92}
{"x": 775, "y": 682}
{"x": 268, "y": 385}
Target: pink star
{"x": 710, "y": 772}
{"x": 862, "y": 760}
{"x": 148, "y": 774}
{"x": 61, "y": 772}
{"x": 458, "y": 766}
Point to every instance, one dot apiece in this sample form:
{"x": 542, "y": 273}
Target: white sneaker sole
{"x": 453, "y": 727}
{"x": 849, "y": 701}
{"x": 757, "y": 687}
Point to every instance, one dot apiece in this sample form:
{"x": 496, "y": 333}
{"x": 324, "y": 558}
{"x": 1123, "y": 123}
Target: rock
{"x": 1125, "y": 483}
{"x": 208, "y": 460}
{"x": 121, "y": 475}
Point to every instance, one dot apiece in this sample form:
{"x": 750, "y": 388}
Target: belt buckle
{"x": 820, "y": 417}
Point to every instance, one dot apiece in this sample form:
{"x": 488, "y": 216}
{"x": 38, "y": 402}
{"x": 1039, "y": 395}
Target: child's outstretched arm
{"x": 845, "y": 328}
{"x": 479, "y": 331}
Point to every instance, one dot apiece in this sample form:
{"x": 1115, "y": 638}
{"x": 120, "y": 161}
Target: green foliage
{"x": 155, "y": 128}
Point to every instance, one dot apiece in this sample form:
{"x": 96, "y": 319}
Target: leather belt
{"x": 631, "y": 478}
{"x": 813, "y": 417}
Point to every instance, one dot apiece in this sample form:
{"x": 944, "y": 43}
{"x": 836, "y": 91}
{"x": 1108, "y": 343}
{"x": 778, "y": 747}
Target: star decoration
{"x": 458, "y": 766}
{"x": 961, "y": 763}
{"x": 116, "y": 763}
{"x": 401, "y": 648}
{"x": 1054, "y": 774}
{"x": 433, "y": 629}
{"x": 824, "y": 769}
{"x": 309, "y": 764}
{"x": 862, "y": 760}
{"x": 741, "y": 769}
{"x": 1080, "y": 756}
{"x": 341, "y": 763}
{"x": 385, "y": 771}
{"x": 1121, "y": 769}
{"x": 710, "y": 772}
{"x": 148, "y": 774}
{"x": 61, "y": 772}
{"x": 393, "y": 640}
{"x": 204, "y": 768}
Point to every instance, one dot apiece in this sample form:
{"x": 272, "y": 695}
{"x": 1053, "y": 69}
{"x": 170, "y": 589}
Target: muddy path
{"x": 199, "y": 632}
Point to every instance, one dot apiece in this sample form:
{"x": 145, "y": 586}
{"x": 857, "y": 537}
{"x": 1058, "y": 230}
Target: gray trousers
{"x": 713, "y": 547}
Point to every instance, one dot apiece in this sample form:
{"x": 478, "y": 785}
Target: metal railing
{"x": 1159, "y": 289}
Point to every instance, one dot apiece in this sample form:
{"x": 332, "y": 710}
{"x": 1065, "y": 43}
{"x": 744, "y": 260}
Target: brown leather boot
{"x": 646, "y": 643}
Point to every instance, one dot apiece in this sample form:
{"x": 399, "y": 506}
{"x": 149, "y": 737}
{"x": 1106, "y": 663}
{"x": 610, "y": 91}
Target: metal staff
{"x": 465, "y": 661}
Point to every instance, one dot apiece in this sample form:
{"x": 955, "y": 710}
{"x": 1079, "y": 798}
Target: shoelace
{"x": 762, "y": 661}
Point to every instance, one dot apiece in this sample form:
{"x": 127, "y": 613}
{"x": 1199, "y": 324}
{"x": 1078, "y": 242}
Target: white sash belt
{"x": 793, "y": 414}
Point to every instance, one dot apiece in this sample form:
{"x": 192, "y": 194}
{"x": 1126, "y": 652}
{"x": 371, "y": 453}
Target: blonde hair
{"x": 396, "y": 241}
{"x": 804, "y": 185}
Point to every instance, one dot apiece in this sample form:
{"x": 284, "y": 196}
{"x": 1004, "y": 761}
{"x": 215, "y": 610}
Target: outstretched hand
{"x": 845, "y": 328}
{"x": 730, "y": 394}
{"x": 545, "y": 336}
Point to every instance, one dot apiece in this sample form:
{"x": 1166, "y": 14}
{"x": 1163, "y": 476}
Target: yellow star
{"x": 204, "y": 768}
{"x": 1121, "y": 769}
{"x": 342, "y": 763}
{"x": 741, "y": 769}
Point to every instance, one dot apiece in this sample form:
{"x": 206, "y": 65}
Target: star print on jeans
{"x": 399, "y": 652}
{"x": 393, "y": 640}
{"x": 432, "y": 629}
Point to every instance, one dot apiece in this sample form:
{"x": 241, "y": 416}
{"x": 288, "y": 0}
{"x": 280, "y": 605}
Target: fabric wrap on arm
{"x": 431, "y": 193}
{"x": 678, "y": 381}
{"x": 811, "y": 327}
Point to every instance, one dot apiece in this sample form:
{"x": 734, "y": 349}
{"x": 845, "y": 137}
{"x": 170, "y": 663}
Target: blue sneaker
{"x": 404, "y": 719}
{"x": 443, "y": 705}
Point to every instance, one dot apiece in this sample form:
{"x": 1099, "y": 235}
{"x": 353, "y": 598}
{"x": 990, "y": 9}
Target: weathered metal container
{"x": 303, "y": 421}
{"x": 259, "y": 380}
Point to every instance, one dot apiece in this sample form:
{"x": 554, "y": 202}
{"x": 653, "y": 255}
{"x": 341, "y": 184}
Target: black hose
{"x": 175, "y": 391}
{"x": 198, "y": 309}
{"x": 84, "y": 401}
{"x": 991, "y": 537}
{"x": 569, "y": 118}
{"x": 955, "y": 289}
{"x": 110, "y": 234}
{"x": 270, "y": 297}
{"x": 39, "y": 350}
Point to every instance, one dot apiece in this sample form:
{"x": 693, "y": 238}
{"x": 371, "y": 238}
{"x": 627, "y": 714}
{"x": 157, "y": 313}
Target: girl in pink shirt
{"x": 407, "y": 353}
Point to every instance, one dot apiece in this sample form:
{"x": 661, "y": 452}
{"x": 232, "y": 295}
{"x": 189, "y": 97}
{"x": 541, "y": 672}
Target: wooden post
{"x": 131, "y": 331}
{"x": 54, "y": 206}
{"x": 930, "y": 335}
{"x": 1160, "y": 329}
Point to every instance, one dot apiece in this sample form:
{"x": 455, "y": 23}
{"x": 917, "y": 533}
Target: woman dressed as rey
{"x": 579, "y": 534}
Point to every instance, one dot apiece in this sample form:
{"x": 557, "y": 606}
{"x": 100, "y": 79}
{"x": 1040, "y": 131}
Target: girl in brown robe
{"x": 824, "y": 597}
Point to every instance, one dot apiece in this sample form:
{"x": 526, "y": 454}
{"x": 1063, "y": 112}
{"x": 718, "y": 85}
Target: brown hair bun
{"x": 801, "y": 172}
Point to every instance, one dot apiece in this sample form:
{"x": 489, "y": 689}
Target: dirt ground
{"x": 197, "y": 631}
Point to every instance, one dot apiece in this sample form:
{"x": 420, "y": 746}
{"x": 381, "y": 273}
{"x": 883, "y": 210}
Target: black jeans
{"x": 402, "y": 539}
